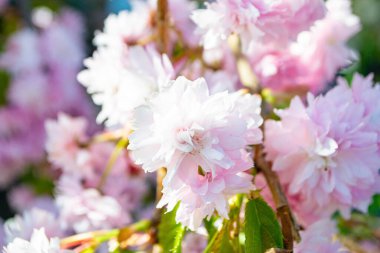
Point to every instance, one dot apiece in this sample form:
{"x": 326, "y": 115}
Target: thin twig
{"x": 351, "y": 245}
{"x": 120, "y": 146}
{"x": 289, "y": 226}
{"x": 163, "y": 25}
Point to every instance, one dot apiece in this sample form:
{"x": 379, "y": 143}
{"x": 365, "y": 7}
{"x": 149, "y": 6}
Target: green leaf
{"x": 221, "y": 242}
{"x": 262, "y": 230}
{"x": 374, "y": 208}
{"x": 170, "y": 233}
{"x": 210, "y": 227}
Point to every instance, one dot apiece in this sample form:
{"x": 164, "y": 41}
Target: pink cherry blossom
{"x": 200, "y": 196}
{"x": 120, "y": 82}
{"x": 325, "y": 154}
{"x": 39, "y": 243}
{"x": 313, "y": 61}
{"x": 22, "y": 198}
{"x": 366, "y": 92}
{"x": 256, "y": 20}
{"x": 30, "y": 91}
{"x": 21, "y": 53}
{"x": 64, "y": 139}
{"x": 83, "y": 210}
{"x": 194, "y": 243}
{"x": 324, "y": 49}
{"x": 17, "y": 146}
{"x": 210, "y": 135}
{"x": 126, "y": 27}
{"x": 319, "y": 237}
{"x": 23, "y": 226}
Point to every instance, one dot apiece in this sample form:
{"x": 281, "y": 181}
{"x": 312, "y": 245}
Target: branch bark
{"x": 163, "y": 25}
{"x": 290, "y": 229}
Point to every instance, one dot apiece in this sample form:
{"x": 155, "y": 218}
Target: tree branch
{"x": 163, "y": 25}
{"x": 288, "y": 224}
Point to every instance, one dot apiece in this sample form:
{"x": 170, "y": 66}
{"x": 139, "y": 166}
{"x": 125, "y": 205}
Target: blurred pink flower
{"x": 23, "y": 226}
{"x": 17, "y": 145}
{"x": 125, "y": 27}
{"x": 194, "y": 243}
{"x": 320, "y": 237}
{"x": 64, "y": 139}
{"x": 256, "y": 20}
{"x": 23, "y": 198}
{"x": 30, "y": 91}
{"x": 83, "y": 210}
{"x": 325, "y": 154}
{"x": 22, "y": 52}
{"x": 39, "y": 243}
{"x": 313, "y": 61}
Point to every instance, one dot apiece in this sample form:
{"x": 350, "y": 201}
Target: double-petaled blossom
{"x": 126, "y": 27}
{"x": 201, "y": 140}
{"x": 121, "y": 81}
{"x": 313, "y": 60}
{"x": 38, "y": 243}
{"x": 320, "y": 237}
{"x": 326, "y": 154}
{"x": 256, "y": 20}
{"x": 23, "y": 226}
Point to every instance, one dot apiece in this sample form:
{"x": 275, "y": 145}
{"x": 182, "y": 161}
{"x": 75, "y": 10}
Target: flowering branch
{"x": 288, "y": 223}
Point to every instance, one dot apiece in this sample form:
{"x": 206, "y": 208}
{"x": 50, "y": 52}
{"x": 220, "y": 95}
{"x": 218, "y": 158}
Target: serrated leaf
{"x": 262, "y": 230}
{"x": 221, "y": 242}
{"x": 170, "y": 233}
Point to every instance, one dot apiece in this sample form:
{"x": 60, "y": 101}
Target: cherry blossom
{"x": 325, "y": 153}
{"x": 39, "y": 243}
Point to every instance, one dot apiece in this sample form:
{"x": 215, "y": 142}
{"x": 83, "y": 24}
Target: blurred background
{"x": 17, "y": 14}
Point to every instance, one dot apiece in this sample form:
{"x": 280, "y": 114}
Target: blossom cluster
{"x": 42, "y": 65}
{"x": 83, "y": 202}
{"x": 327, "y": 153}
{"x": 183, "y": 97}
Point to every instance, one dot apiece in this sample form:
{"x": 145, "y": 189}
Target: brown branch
{"x": 163, "y": 25}
{"x": 288, "y": 224}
